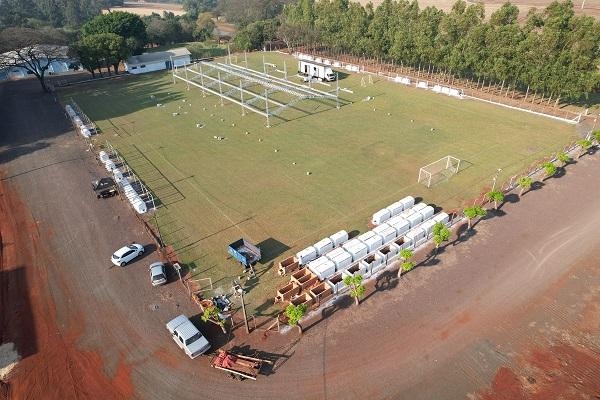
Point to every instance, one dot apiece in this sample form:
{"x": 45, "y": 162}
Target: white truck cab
{"x": 187, "y": 336}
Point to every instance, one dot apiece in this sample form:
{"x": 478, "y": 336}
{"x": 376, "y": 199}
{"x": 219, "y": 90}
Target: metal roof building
{"x": 157, "y": 61}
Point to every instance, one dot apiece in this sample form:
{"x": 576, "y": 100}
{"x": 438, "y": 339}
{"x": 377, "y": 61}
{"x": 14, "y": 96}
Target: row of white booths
{"x": 139, "y": 205}
{"x": 401, "y": 225}
{"x": 85, "y": 130}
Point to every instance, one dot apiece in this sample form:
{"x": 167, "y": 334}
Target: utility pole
{"x": 240, "y": 291}
{"x": 495, "y": 178}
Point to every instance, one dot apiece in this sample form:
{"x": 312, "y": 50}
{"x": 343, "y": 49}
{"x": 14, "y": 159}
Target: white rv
{"x": 311, "y": 70}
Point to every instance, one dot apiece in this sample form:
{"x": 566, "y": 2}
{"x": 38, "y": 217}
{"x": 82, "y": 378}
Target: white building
{"x": 157, "y": 61}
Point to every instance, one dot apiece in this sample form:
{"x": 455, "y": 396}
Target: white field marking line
{"x": 554, "y": 236}
{"x": 233, "y": 223}
{"x": 552, "y": 252}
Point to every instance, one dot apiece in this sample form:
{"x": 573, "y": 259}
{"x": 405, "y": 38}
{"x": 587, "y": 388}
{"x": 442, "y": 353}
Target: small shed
{"x": 157, "y": 61}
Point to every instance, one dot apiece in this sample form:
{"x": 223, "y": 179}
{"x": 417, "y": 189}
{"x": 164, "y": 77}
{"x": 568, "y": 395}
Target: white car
{"x": 187, "y": 336}
{"x": 157, "y": 274}
{"x": 126, "y": 254}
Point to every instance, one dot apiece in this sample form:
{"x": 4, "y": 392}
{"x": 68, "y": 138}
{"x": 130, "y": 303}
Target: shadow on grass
{"x": 271, "y": 248}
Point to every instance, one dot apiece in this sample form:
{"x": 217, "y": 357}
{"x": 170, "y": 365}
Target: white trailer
{"x": 311, "y": 69}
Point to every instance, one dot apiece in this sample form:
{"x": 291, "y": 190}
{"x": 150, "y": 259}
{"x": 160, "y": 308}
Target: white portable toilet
{"x": 103, "y": 156}
{"x": 427, "y": 226}
{"x": 374, "y": 242}
{"x": 442, "y": 217}
{"x": 314, "y": 264}
{"x": 356, "y": 248}
{"x": 339, "y": 237}
{"x": 387, "y": 232}
{"x": 306, "y": 255}
{"x": 400, "y": 225}
{"x": 323, "y": 246}
{"x": 414, "y": 219}
{"x": 427, "y": 212}
{"x": 418, "y": 207}
{"x": 140, "y": 206}
{"x": 416, "y": 236}
{"x": 340, "y": 257}
{"x": 380, "y": 216}
{"x": 365, "y": 236}
{"x": 325, "y": 270}
{"x": 110, "y": 165}
{"x": 407, "y": 202}
{"x": 395, "y": 208}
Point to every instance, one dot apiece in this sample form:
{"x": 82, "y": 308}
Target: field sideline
{"x": 361, "y": 157}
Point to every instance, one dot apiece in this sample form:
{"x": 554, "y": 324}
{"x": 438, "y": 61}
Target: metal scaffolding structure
{"x": 252, "y": 90}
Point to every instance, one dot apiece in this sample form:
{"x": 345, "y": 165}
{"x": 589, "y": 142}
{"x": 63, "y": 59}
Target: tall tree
{"x": 473, "y": 212}
{"x": 406, "y": 256}
{"x": 128, "y": 25}
{"x": 32, "y": 49}
{"x": 524, "y": 183}
{"x": 295, "y": 314}
{"x": 495, "y": 196}
{"x": 441, "y": 234}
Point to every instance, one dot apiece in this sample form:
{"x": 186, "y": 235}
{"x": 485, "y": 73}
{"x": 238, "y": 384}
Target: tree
{"x": 585, "y": 145}
{"x": 563, "y": 157}
{"x": 524, "y": 183}
{"x": 31, "y": 49}
{"x": 357, "y": 289}
{"x": 128, "y": 25}
{"x": 549, "y": 168}
{"x": 440, "y": 234}
{"x": 295, "y": 314}
{"x": 102, "y": 49}
{"x": 472, "y": 212}
{"x": 204, "y": 27}
{"x": 496, "y": 196}
{"x": 405, "y": 255}
{"x": 212, "y": 314}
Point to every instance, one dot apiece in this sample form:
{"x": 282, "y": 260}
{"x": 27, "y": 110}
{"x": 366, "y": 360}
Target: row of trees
{"x": 554, "y": 51}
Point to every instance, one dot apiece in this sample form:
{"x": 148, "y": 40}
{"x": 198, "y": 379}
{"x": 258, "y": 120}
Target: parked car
{"x": 105, "y": 187}
{"x": 187, "y": 336}
{"x": 158, "y": 275}
{"x": 126, "y": 254}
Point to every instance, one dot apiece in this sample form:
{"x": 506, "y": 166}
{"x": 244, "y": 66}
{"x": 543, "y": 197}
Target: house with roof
{"x": 157, "y": 61}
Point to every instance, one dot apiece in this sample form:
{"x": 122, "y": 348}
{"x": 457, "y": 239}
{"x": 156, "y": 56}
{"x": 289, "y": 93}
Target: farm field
{"x": 147, "y": 8}
{"x": 361, "y": 158}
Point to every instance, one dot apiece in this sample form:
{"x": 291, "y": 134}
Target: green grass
{"x": 360, "y": 158}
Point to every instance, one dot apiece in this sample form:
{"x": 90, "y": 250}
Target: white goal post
{"x": 439, "y": 170}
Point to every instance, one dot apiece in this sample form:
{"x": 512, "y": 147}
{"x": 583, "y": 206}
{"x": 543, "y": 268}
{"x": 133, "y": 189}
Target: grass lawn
{"x": 361, "y": 157}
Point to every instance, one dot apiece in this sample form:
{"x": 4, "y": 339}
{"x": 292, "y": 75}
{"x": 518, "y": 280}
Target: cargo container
{"x": 306, "y": 255}
{"x": 380, "y": 216}
{"x": 340, "y": 257}
{"x": 323, "y": 246}
{"x": 387, "y": 232}
{"x": 356, "y": 248}
{"x": 339, "y": 238}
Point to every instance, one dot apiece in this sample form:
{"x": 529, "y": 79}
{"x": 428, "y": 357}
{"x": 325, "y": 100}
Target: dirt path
{"x": 494, "y": 314}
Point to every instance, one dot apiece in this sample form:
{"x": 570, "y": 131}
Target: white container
{"x": 314, "y": 264}
{"x": 402, "y": 243}
{"x": 110, "y": 165}
{"x": 427, "y": 212}
{"x": 341, "y": 258}
{"x": 325, "y": 270}
{"x": 406, "y": 213}
{"x": 400, "y": 225}
{"x": 365, "y": 236}
{"x": 103, "y": 156}
{"x": 306, "y": 255}
{"x": 388, "y": 253}
{"x": 374, "y": 242}
{"x": 418, "y": 207}
{"x": 118, "y": 176}
{"x": 395, "y": 208}
{"x": 407, "y": 202}
{"x": 140, "y": 207}
{"x": 77, "y": 121}
{"x": 85, "y": 132}
{"x": 379, "y": 264}
{"x": 323, "y": 246}
{"x": 372, "y": 261}
{"x": 339, "y": 237}
{"x": 70, "y": 111}
{"x": 337, "y": 283}
{"x": 357, "y": 269}
{"x": 416, "y": 235}
{"x": 442, "y": 217}
{"x": 414, "y": 219}
{"x": 387, "y": 232}
{"x": 427, "y": 226}
{"x": 356, "y": 248}
{"x": 380, "y": 216}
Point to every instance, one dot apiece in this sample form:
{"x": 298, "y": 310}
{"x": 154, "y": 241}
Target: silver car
{"x": 157, "y": 274}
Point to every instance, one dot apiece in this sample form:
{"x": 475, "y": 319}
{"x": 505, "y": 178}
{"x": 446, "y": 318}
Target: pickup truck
{"x": 187, "y": 336}
{"x": 245, "y": 252}
{"x": 105, "y": 187}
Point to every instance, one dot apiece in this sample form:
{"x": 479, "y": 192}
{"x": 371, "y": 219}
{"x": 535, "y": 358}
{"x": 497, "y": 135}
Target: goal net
{"x": 439, "y": 170}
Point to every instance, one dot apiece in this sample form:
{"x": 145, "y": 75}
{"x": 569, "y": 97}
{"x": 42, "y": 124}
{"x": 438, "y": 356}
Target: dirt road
{"x": 511, "y": 307}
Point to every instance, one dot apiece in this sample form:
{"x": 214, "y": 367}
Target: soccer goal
{"x": 439, "y": 170}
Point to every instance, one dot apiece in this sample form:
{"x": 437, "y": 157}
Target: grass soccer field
{"x": 254, "y": 182}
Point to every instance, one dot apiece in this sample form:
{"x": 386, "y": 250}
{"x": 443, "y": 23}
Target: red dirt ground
{"x": 52, "y": 367}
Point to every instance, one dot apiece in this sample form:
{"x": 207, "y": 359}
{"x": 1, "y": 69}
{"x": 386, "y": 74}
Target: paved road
{"x": 441, "y": 332}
